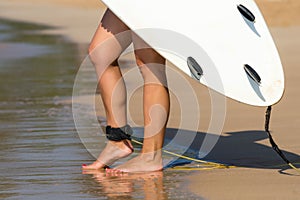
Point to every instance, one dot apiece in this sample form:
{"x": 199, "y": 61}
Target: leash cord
{"x": 210, "y": 165}
{"x": 274, "y": 145}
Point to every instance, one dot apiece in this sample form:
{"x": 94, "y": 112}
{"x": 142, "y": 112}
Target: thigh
{"x": 112, "y": 34}
{"x": 144, "y": 53}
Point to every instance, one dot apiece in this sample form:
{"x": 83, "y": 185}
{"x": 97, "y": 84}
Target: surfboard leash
{"x": 206, "y": 164}
{"x": 274, "y": 145}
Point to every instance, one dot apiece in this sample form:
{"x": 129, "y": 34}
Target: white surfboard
{"x": 223, "y": 44}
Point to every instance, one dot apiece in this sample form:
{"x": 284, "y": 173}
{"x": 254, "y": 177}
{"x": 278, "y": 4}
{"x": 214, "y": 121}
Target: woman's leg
{"x": 156, "y": 109}
{"x": 110, "y": 40}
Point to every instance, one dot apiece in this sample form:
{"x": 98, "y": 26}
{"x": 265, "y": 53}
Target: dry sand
{"x": 280, "y": 12}
{"x": 78, "y": 20}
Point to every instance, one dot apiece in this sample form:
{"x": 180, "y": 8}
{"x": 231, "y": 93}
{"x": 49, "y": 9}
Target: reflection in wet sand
{"x": 119, "y": 186}
{"x": 161, "y": 185}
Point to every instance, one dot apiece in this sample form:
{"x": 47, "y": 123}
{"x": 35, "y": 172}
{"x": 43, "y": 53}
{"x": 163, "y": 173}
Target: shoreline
{"x": 76, "y": 22}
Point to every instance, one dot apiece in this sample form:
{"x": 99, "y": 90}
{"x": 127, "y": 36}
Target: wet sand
{"x": 243, "y": 142}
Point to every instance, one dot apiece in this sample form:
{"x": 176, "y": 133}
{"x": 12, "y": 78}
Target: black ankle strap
{"x": 118, "y": 134}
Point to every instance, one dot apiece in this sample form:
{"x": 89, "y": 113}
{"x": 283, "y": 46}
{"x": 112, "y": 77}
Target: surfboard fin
{"x": 246, "y": 13}
{"x": 194, "y": 67}
{"x": 252, "y": 73}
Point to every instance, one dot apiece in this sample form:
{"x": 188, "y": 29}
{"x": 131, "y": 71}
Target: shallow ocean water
{"x": 40, "y": 152}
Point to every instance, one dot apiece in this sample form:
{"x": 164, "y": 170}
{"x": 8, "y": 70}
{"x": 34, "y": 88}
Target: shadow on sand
{"x": 240, "y": 149}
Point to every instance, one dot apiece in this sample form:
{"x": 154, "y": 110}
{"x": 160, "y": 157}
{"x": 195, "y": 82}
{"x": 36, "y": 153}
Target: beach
{"x": 259, "y": 173}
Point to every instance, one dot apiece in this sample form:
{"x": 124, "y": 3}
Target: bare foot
{"x": 111, "y": 153}
{"x": 145, "y": 162}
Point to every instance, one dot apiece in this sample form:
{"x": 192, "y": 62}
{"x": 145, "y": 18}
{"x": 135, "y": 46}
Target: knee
{"x": 152, "y": 70}
{"x": 101, "y": 57}
{"x": 94, "y": 57}
{"x": 91, "y": 48}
